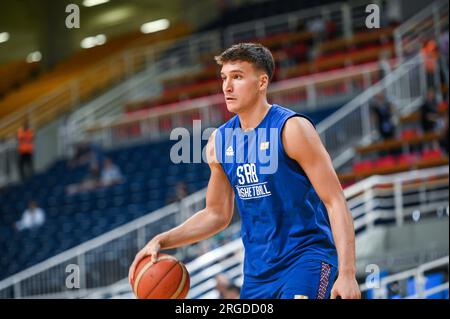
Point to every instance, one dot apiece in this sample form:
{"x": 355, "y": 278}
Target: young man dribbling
{"x": 297, "y": 230}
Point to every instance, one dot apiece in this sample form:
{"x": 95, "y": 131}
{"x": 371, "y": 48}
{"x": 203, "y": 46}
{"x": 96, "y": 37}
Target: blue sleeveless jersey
{"x": 283, "y": 219}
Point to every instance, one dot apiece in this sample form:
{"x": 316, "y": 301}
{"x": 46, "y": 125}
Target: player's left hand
{"x": 345, "y": 287}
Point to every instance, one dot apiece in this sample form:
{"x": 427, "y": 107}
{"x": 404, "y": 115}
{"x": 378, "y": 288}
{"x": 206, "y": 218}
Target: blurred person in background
{"x": 429, "y": 53}
{"x": 222, "y": 283}
{"x": 226, "y": 289}
{"x": 382, "y": 112}
{"x": 443, "y": 45}
{"x": 330, "y": 29}
{"x": 33, "y": 217}
{"x": 429, "y": 115}
{"x": 232, "y": 292}
{"x": 25, "y": 137}
{"x": 318, "y": 29}
{"x": 110, "y": 173}
{"x": 89, "y": 183}
{"x": 86, "y": 153}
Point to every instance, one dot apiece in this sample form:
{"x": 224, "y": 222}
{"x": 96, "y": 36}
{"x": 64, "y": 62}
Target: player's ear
{"x": 263, "y": 81}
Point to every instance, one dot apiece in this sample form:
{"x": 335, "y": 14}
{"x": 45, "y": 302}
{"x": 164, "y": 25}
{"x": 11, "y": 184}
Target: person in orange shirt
{"x": 25, "y": 148}
{"x": 430, "y": 56}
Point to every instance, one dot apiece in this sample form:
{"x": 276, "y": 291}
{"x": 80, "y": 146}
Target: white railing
{"x": 380, "y": 289}
{"x": 405, "y": 87}
{"x": 110, "y": 106}
{"x": 365, "y": 193}
{"x": 97, "y": 266}
{"x": 426, "y": 24}
{"x": 347, "y": 17}
{"x": 234, "y": 273}
{"x": 181, "y": 53}
{"x": 301, "y": 94}
{"x": 226, "y": 259}
{"x": 339, "y": 12}
{"x": 351, "y": 125}
{"x": 104, "y": 260}
{"x": 148, "y": 60}
{"x": 48, "y": 277}
{"x": 379, "y": 198}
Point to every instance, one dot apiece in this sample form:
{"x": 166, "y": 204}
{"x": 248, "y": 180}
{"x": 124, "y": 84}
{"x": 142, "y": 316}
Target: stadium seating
{"x": 90, "y": 70}
{"x": 432, "y": 280}
{"x": 150, "y": 180}
{"x": 15, "y": 74}
{"x": 257, "y": 10}
{"x": 412, "y": 149}
{"x": 391, "y": 165}
{"x": 364, "y": 47}
{"x": 74, "y": 219}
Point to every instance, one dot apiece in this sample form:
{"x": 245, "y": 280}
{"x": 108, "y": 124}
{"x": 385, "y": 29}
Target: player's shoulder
{"x": 299, "y": 137}
{"x": 285, "y": 114}
{"x": 299, "y": 123}
{"x": 298, "y": 126}
{"x": 298, "y": 129}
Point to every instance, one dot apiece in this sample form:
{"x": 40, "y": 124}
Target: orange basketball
{"x": 168, "y": 278}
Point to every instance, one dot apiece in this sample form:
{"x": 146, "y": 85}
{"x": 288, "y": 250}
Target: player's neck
{"x": 251, "y": 118}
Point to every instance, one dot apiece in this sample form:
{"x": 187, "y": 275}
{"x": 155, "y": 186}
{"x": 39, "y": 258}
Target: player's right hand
{"x": 151, "y": 249}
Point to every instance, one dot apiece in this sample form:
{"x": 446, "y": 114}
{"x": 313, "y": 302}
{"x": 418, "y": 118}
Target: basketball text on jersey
{"x": 249, "y": 186}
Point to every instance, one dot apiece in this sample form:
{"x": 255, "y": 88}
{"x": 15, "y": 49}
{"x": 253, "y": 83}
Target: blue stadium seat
{"x": 72, "y": 220}
{"x": 432, "y": 280}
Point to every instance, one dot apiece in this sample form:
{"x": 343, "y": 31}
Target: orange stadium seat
{"x": 14, "y": 74}
{"x": 90, "y": 67}
{"x": 205, "y": 81}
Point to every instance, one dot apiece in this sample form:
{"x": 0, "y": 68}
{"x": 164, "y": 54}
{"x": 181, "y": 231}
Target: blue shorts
{"x": 312, "y": 279}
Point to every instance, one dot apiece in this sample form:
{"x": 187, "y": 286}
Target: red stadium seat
{"x": 363, "y": 166}
{"x": 386, "y": 161}
{"x": 431, "y": 154}
{"x": 407, "y": 159}
{"x": 409, "y": 134}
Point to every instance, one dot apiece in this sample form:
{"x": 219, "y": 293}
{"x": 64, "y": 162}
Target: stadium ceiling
{"x": 33, "y": 24}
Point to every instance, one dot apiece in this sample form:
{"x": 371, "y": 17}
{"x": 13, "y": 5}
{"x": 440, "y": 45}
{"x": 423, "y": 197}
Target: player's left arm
{"x": 302, "y": 143}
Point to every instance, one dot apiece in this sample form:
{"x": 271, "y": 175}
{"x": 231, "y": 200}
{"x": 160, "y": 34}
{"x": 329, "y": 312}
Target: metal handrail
{"x": 284, "y": 85}
{"x": 418, "y": 273}
{"x": 414, "y": 23}
{"x": 351, "y": 124}
{"x": 153, "y": 50}
{"x": 198, "y": 198}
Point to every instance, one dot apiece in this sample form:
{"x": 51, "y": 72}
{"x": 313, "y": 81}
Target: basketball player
{"x": 297, "y": 231}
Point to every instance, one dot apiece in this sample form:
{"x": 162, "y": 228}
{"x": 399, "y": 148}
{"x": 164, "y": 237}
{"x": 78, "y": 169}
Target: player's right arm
{"x": 215, "y": 217}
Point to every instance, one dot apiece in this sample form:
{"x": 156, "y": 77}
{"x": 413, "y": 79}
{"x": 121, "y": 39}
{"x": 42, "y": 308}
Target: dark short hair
{"x": 256, "y": 54}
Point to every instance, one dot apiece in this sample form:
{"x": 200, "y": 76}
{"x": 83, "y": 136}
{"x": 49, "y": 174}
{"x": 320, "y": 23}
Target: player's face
{"x": 240, "y": 85}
